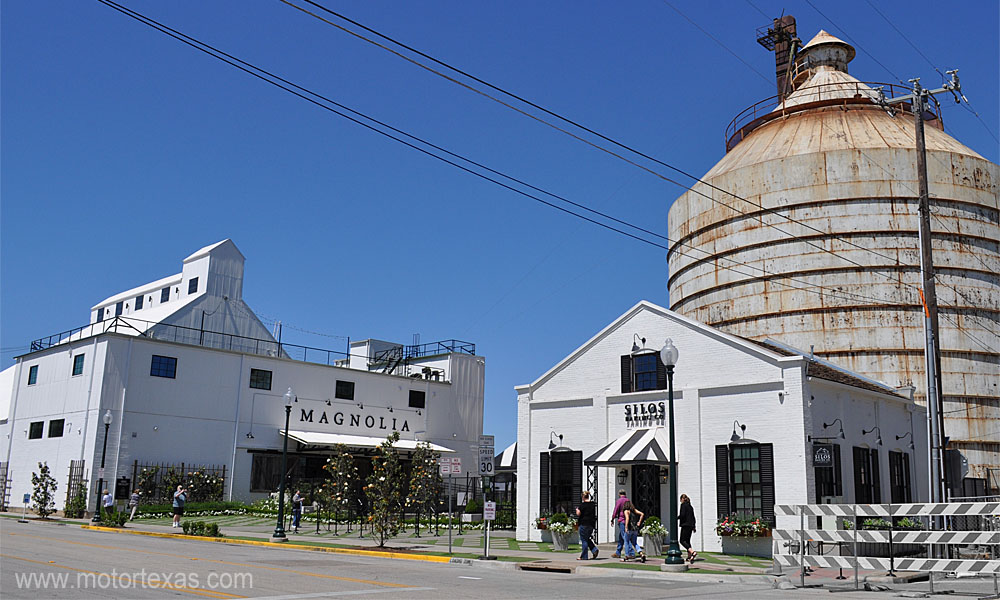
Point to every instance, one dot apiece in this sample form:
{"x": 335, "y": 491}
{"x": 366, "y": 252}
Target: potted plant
{"x": 561, "y": 529}
{"x": 652, "y": 535}
{"x": 473, "y": 512}
{"x": 542, "y": 525}
{"x": 745, "y": 535}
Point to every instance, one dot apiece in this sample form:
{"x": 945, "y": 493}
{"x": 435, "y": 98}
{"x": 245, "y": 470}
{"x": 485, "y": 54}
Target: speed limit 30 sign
{"x": 486, "y": 455}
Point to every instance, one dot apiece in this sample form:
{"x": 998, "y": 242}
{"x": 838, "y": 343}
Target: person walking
{"x": 180, "y": 498}
{"x": 133, "y": 503}
{"x": 633, "y": 521}
{"x": 587, "y": 518}
{"x": 108, "y": 502}
{"x": 618, "y": 522}
{"x": 686, "y": 520}
{"x": 297, "y": 502}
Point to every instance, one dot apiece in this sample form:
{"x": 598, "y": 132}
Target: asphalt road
{"x": 47, "y": 561}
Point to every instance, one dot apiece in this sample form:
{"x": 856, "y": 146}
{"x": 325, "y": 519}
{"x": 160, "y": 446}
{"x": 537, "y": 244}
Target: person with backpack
{"x": 633, "y": 521}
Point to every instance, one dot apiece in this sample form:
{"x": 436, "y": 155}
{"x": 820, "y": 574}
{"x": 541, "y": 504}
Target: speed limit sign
{"x": 486, "y": 455}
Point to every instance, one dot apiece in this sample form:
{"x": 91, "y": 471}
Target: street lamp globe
{"x": 289, "y": 396}
{"x": 668, "y": 353}
{"x": 107, "y": 418}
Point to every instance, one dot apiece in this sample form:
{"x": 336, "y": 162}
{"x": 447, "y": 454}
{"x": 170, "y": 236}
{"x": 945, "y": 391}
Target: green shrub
{"x": 201, "y": 528}
{"x": 77, "y": 505}
{"x": 113, "y": 518}
{"x": 473, "y": 506}
{"x": 559, "y": 517}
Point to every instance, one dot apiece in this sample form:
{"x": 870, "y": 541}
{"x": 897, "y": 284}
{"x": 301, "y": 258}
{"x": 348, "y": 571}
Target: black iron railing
{"x": 404, "y": 352}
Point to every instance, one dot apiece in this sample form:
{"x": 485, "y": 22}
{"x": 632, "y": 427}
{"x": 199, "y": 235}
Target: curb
{"x": 696, "y": 577}
{"x": 283, "y": 545}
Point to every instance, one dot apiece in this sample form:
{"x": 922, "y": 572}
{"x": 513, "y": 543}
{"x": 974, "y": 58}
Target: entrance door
{"x": 646, "y": 489}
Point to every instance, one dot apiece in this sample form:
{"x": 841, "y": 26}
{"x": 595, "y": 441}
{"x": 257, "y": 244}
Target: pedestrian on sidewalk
{"x": 108, "y": 502}
{"x": 633, "y": 521}
{"x": 297, "y": 502}
{"x": 618, "y": 522}
{"x": 133, "y": 503}
{"x": 586, "y": 515}
{"x": 688, "y": 526}
{"x": 180, "y": 498}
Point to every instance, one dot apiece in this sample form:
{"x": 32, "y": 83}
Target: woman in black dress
{"x": 687, "y": 522}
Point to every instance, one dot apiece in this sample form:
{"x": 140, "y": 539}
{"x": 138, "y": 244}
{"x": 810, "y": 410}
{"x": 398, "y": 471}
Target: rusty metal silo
{"x": 842, "y": 272}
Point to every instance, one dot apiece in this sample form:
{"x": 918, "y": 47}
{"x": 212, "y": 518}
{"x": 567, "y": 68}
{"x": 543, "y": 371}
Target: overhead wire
{"x": 968, "y": 106}
{"x": 774, "y": 211}
{"x": 853, "y": 41}
{"x": 719, "y": 42}
{"x": 246, "y": 67}
{"x": 886, "y": 271}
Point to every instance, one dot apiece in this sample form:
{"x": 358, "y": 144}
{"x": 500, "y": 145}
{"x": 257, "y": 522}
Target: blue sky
{"x": 124, "y": 150}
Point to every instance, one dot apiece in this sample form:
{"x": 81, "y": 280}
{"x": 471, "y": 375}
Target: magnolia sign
{"x": 645, "y": 415}
{"x": 354, "y": 420}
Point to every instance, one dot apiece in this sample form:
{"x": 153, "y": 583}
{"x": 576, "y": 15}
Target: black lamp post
{"x": 100, "y": 483}
{"x": 279, "y": 529}
{"x": 668, "y": 354}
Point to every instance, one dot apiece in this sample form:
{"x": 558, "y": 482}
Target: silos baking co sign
{"x": 354, "y": 420}
{"x": 649, "y": 414}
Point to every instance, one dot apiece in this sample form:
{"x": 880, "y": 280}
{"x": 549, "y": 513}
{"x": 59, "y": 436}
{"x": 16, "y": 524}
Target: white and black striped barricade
{"x": 791, "y": 545}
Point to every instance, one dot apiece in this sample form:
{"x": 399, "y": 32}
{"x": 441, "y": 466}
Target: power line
{"x": 717, "y": 41}
{"x": 246, "y": 67}
{"x": 933, "y": 66}
{"x": 856, "y": 44}
{"x": 765, "y": 15}
{"x": 588, "y": 130}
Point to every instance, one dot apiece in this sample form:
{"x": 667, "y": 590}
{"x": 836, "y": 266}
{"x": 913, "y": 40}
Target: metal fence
{"x": 157, "y": 482}
{"x": 4, "y": 486}
{"x": 944, "y": 548}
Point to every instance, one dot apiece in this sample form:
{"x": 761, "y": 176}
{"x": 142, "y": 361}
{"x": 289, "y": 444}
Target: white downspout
{"x": 236, "y": 427}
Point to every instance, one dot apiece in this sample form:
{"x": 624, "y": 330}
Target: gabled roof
{"x": 644, "y": 305}
{"x": 822, "y": 369}
{"x": 207, "y": 249}
{"x": 153, "y": 286}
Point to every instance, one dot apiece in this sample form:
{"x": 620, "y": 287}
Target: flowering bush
{"x": 876, "y": 524}
{"x": 542, "y": 522}
{"x": 653, "y": 527}
{"x": 560, "y": 528}
{"x": 742, "y": 526}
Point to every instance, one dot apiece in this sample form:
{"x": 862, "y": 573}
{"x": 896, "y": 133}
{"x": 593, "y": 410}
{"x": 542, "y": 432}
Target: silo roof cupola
{"x": 826, "y": 50}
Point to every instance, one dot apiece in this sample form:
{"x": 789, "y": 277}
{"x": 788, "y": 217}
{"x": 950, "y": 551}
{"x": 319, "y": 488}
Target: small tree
{"x": 385, "y": 490}
{"x": 44, "y": 494}
{"x": 342, "y": 476}
{"x": 425, "y": 481}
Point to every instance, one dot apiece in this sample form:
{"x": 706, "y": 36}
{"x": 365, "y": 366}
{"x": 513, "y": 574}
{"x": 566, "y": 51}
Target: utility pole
{"x": 932, "y": 352}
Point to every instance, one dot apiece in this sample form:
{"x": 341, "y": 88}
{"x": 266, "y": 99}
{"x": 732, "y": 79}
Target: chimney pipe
{"x": 784, "y": 33}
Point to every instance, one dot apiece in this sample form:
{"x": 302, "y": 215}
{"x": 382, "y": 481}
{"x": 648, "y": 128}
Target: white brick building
{"x": 190, "y": 375}
{"x": 781, "y": 396}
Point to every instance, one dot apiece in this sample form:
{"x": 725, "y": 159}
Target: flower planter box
{"x": 546, "y": 535}
{"x": 653, "y": 545}
{"x": 471, "y": 517}
{"x": 747, "y": 546}
{"x": 560, "y": 541}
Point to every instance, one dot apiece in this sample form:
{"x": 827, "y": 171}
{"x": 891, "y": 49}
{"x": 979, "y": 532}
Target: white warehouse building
{"x": 191, "y": 376}
{"x": 757, "y": 424}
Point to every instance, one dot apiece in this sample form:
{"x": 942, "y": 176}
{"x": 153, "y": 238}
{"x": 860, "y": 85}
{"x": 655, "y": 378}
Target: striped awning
{"x": 506, "y": 460}
{"x": 642, "y": 446}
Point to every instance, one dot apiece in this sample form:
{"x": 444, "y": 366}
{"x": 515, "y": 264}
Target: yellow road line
{"x": 196, "y": 591}
{"x": 222, "y": 562}
{"x": 286, "y": 546}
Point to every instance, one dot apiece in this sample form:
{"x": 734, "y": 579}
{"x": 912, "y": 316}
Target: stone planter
{"x": 471, "y": 517}
{"x": 546, "y": 535}
{"x": 560, "y": 541}
{"x": 747, "y": 546}
{"x": 653, "y": 545}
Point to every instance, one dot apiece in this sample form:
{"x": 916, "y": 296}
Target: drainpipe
{"x": 236, "y": 426}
